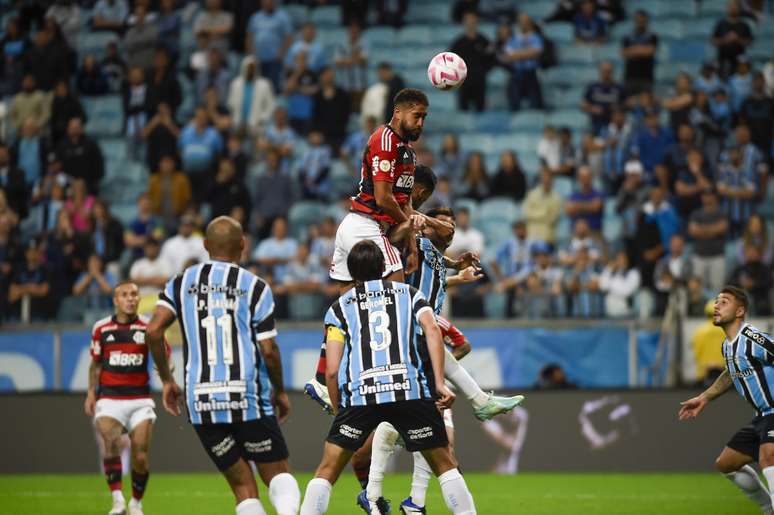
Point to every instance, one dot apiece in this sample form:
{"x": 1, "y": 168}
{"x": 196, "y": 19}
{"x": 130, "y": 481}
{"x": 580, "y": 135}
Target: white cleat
{"x": 318, "y": 392}
{"x": 119, "y": 507}
{"x": 135, "y": 508}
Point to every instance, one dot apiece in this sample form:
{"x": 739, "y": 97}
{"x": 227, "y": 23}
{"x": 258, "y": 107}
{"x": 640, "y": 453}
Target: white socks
{"x": 463, "y": 381}
{"x": 250, "y": 507}
{"x": 385, "y": 437}
{"x": 768, "y": 473}
{"x": 118, "y": 495}
{"x": 284, "y": 494}
{"x": 420, "y": 480}
{"x": 746, "y": 478}
{"x": 317, "y": 496}
{"x": 456, "y": 494}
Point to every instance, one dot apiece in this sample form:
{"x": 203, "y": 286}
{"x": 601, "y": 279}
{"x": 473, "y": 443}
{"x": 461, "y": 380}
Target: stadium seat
{"x": 621, "y": 29}
{"x": 576, "y": 54}
{"x": 298, "y": 13}
{"x": 560, "y": 33}
{"x": 428, "y": 12}
{"x": 492, "y": 121}
{"x": 332, "y": 37}
{"x": 688, "y": 51}
{"x": 303, "y": 214}
{"x": 305, "y": 306}
{"x": 495, "y": 231}
{"x": 104, "y": 115}
{"x": 94, "y": 43}
{"x": 699, "y": 28}
{"x": 113, "y": 148}
{"x": 608, "y": 52}
{"x": 325, "y": 16}
{"x": 563, "y": 231}
{"x": 572, "y": 118}
{"x": 612, "y": 228}
{"x": 380, "y": 37}
{"x": 469, "y": 204}
{"x": 528, "y": 120}
{"x": 563, "y": 186}
{"x": 441, "y": 100}
{"x": 416, "y": 35}
{"x": 498, "y": 78}
{"x": 503, "y": 209}
{"x": 537, "y": 9}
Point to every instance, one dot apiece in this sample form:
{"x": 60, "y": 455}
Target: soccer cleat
{"x": 119, "y": 507}
{"x": 319, "y": 394}
{"x": 497, "y": 405}
{"x": 407, "y": 507}
{"x": 135, "y": 508}
{"x": 380, "y": 507}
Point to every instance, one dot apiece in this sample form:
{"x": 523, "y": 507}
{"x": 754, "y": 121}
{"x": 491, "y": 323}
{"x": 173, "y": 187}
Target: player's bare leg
{"x": 318, "y": 491}
{"x": 736, "y": 466}
{"x": 766, "y": 462}
{"x": 453, "y": 487}
{"x": 284, "y": 494}
{"x": 140, "y": 438}
{"x": 111, "y": 430}
{"x": 242, "y": 482}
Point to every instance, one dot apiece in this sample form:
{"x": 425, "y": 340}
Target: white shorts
{"x": 354, "y": 229}
{"x": 447, "y": 419}
{"x": 128, "y": 412}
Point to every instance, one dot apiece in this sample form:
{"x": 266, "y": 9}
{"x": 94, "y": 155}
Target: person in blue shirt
{"x": 652, "y": 143}
{"x": 277, "y": 251}
{"x": 314, "y": 168}
{"x": 513, "y": 257}
{"x": 315, "y": 54}
{"x": 269, "y": 34}
{"x": 300, "y": 88}
{"x": 602, "y": 97}
{"x": 200, "y": 144}
{"x": 589, "y": 25}
{"x": 523, "y": 52}
{"x": 586, "y": 202}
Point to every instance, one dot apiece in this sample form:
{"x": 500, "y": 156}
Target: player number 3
{"x": 380, "y": 323}
{"x": 209, "y": 324}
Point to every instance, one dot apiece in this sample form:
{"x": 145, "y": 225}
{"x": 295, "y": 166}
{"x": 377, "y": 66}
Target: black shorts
{"x": 258, "y": 440}
{"x": 748, "y": 439}
{"x": 419, "y": 423}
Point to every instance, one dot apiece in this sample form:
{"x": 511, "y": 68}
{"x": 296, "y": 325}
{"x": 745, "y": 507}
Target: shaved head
{"x": 224, "y": 239}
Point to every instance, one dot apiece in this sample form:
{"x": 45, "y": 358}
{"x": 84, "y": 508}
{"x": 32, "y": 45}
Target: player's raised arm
{"x": 692, "y": 407}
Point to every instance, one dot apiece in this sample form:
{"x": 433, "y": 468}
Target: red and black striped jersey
{"x": 387, "y": 158}
{"x": 452, "y": 336}
{"x": 121, "y": 351}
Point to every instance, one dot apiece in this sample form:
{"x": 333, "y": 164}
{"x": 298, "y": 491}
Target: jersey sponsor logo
{"x": 205, "y": 406}
{"x": 223, "y": 447}
{"x": 139, "y": 337}
{"x": 405, "y": 181}
{"x": 385, "y": 387}
{"x": 756, "y": 337}
{"x": 384, "y": 370}
{"x": 205, "y": 289}
{"x": 421, "y": 433}
{"x": 258, "y": 447}
{"x": 220, "y": 387}
{"x": 384, "y": 165}
{"x": 350, "y": 432}
{"x": 125, "y": 359}
{"x": 742, "y": 373}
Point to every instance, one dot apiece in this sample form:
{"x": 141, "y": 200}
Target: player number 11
{"x": 224, "y": 322}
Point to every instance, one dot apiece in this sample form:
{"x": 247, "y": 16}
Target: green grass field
{"x": 530, "y": 494}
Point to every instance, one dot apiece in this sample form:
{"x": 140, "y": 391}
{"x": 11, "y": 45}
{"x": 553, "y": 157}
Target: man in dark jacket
{"x": 476, "y": 50}
{"x": 81, "y": 156}
{"x": 13, "y": 184}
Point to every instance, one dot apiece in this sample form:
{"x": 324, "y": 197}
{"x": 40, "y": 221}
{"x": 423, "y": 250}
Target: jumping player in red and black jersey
{"x": 119, "y": 394}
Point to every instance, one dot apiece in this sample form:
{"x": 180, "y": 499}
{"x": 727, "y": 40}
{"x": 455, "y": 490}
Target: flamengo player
{"x": 119, "y": 394}
{"x": 233, "y": 371}
{"x": 749, "y": 355}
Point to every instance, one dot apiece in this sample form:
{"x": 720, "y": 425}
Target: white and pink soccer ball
{"x": 447, "y": 71}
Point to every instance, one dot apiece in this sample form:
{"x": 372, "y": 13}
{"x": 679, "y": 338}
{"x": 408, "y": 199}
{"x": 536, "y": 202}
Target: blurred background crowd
{"x": 602, "y": 156}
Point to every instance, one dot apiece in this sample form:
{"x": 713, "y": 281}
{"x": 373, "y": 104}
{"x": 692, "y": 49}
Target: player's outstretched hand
{"x": 445, "y": 397}
{"x": 470, "y": 274}
{"x": 172, "y": 397}
{"x": 467, "y": 259}
{"x": 692, "y": 407}
{"x": 89, "y": 404}
{"x": 418, "y": 221}
{"x": 281, "y": 404}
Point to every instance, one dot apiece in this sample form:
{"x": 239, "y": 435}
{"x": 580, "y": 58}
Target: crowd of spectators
{"x": 685, "y": 173}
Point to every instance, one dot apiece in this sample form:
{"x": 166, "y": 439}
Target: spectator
{"x": 11, "y": 255}
{"x": 676, "y": 156}
{"x": 109, "y": 15}
{"x": 509, "y": 181}
{"x": 96, "y": 283}
{"x": 589, "y": 25}
{"x": 354, "y": 11}
{"x": 150, "y": 272}
{"x": 64, "y": 107}
{"x": 91, "y": 80}
{"x": 731, "y": 36}
{"x": 755, "y": 277}
{"x": 141, "y": 39}
{"x": 601, "y": 97}
{"x": 580, "y": 285}
{"x": 6, "y": 212}
{"x": 553, "y": 377}
{"x": 161, "y": 136}
{"x": 586, "y": 202}
{"x": 67, "y": 16}
{"x": 581, "y": 239}
{"x": 273, "y": 195}
{"x": 30, "y": 152}
{"x": 32, "y": 278}
{"x": 279, "y": 137}
{"x": 757, "y": 112}
{"x": 227, "y": 191}
{"x": 512, "y": 259}
{"x": 539, "y": 286}
{"x": 652, "y": 143}
{"x": 708, "y": 227}
{"x": 620, "y": 282}
{"x": 709, "y": 133}
{"x": 707, "y": 345}
{"x": 474, "y": 183}
{"x": 740, "y": 83}
{"x": 29, "y": 103}
{"x": 708, "y": 80}
{"x": 548, "y": 148}
{"x": 640, "y": 105}
{"x": 631, "y": 196}
{"x": 639, "y": 52}
{"x": 144, "y": 226}
{"x": 755, "y": 164}
{"x": 679, "y": 105}
{"x": 377, "y": 101}
{"x": 658, "y": 209}
{"x": 351, "y": 62}
{"x": 235, "y": 151}
{"x": 720, "y": 106}
{"x": 200, "y": 145}
{"x": 185, "y": 246}
{"x": 49, "y": 196}
{"x": 466, "y": 238}
{"x": 169, "y": 191}
{"x": 737, "y": 189}
{"x": 323, "y": 244}
{"x": 331, "y": 110}
{"x": 352, "y": 149}
{"x": 692, "y": 180}
{"x": 170, "y": 23}
{"x": 81, "y": 156}
{"x": 163, "y": 86}
{"x": 300, "y": 89}
{"x": 134, "y": 96}
{"x": 277, "y": 251}
{"x": 391, "y": 12}
{"x": 542, "y": 209}
{"x": 523, "y": 53}
{"x": 214, "y": 23}
{"x": 442, "y": 196}
{"x": 674, "y": 269}
{"x": 217, "y": 112}
{"x": 250, "y": 98}
{"x": 615, "y": 141}
{"x": 13, "y": 46}
{"x": 215, "y": 75}
{"x": 13, "y": 184}
{"x": 107, "y": 234}
{"x": 47, "y": 61}
{"x": 312, "y": 49}
{"x": 476, "y": 50}
{"x": 450, "y": 161}
{"x": 756, "y": 235}
{"x": 150, "y": 13}
{"x": 314, "y": 168}
{"x": 269, "y": 35}
{"x": 80, "y": 206}
{"x": 114, "y": 67}
{"x": 303, "y": 275}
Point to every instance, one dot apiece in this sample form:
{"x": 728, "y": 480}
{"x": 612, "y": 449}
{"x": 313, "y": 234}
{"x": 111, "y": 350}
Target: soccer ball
{"x": 447, "y": 70}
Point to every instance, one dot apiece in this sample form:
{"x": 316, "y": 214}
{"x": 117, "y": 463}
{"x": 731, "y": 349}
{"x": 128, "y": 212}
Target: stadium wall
{"x": 579, "y": 431}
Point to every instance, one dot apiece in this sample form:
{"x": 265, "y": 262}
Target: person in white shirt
{"x": 466, "y": 238}
{"x": 151, "y": 272}
{"x": 620, "y": 282}
{"x": 250, "y": 98}
{"x": 184, "y": 246}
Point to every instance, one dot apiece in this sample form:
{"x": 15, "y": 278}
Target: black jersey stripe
{"x": 397, "y": 337}
{"x": 204, "y": 376}
{"x": 365, "y": 340}
{"x": 177, "y": 291}
{"x": 745, "y": 388}
{"x": 235, "y": 369}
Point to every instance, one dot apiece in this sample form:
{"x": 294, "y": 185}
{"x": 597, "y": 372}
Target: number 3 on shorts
{"x": 379, "y": 322}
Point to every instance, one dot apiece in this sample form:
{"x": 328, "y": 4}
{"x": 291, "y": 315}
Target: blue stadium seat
{"x": 612, "y": 228}
{"x": 428, "y": 12}
{"x": 537, "y": 9}
{"x": 114, "y": 149}
{"x": 668, "y": 72}
{"x": 571, "y": 97}
{"x": 529, "y": 120}
{"x": 700, "y": 28}
{"x": 608, "y": 52}
{"x": 305, "y": 306}
{"x": 332, "y": 37}
{"x": 573, "y": 118}
{"x": 672, "y": 9}
{"x": 326, "y": 16}
{"x": 302, "y": 214}
{"x": 495, "y": 231}
{"x": 497, "y": 78}
{"x": 576, "y": 54}
{"x": 563, "y": 231}
{"x": 105, "y": 115}
{"x": 469, "y": 204}
{"x": 563, "y": 186}
{"x": 492, "y": 121}
{"x": 688, "y": 51}
{"x": 502, "y": 209}
{"x": 95, "y": 43}
{"x": 124, "y": 212}
{"x": 298, "y": 13}
{"x": 560, "y": 33}
{"x": 416, "y": 35}
{"x": 530, "y": 164}
{"x": 621, "y": 29}
{"x": 380, "y": 37}
{"x": 497, "y": 98}
{"x": 441, "y": 100}
{"x": 477, "y": 142}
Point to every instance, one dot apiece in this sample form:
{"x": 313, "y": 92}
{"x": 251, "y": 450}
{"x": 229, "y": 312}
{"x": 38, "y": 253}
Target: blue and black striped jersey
{"x": 224, "y": 311}
{"x": 383, "y": 360}
{"x": 750, "y": 362}
{"x": 430, "y": 277}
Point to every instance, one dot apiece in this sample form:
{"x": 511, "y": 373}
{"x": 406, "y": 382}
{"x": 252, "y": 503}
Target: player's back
{"x": 384, "y": 360}
{"x": 224, "y": 310}
{"x": 750, "y": 362}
